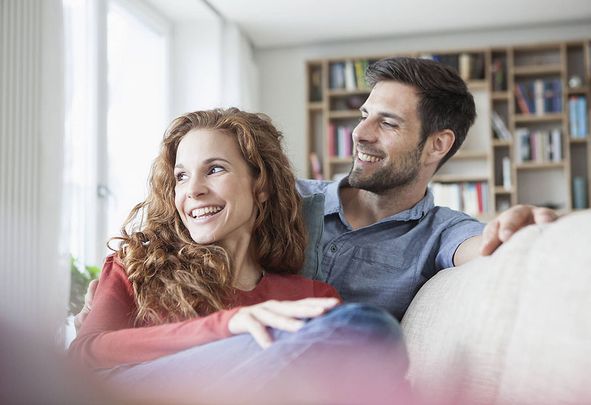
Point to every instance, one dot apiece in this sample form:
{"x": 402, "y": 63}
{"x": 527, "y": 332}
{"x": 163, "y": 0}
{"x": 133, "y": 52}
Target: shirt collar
{"x": 333, "y": 205}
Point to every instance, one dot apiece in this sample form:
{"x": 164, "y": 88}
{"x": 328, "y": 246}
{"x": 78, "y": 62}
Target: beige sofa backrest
{"x": 513, "y": 328}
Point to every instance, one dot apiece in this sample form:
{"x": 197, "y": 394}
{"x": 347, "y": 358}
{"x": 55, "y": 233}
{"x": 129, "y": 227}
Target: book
{"x": 465, "y": 65}
{"x": 573, "y": 120}
{"x": 539, "y": 101}
{"x": 316, "y": 166}
{"x": 350, "y": 81}
{"x": 499, "y": 127}
{"x": 332, "y": 140}
{"x": 582, "y": 117}
{"x": 316, "y": 85}
{"x": 506, "y": 170}
{"x": 498, "y": 74}
{"x": 337, "y": 76}
{"x": 556, "y": 142}
{"x": 523, "y": 151}
{"x": 520, "y": 98}
{"x": 580, "y": 200}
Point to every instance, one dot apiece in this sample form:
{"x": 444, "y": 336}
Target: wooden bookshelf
{"x": 492, "y": 75}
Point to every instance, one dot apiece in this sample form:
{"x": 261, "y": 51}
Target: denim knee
{"x": 363, "y": 319}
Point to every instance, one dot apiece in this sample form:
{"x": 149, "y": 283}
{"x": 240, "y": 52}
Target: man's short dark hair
{"x": 444, "y": 99}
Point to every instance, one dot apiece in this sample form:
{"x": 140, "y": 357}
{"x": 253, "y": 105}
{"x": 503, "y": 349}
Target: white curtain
{"x": 33, "y": 269}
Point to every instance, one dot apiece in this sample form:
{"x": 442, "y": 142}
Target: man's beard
{"x": 400, "y": 173}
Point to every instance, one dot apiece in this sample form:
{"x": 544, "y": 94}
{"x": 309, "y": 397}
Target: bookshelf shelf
{"x": 344, "y": 92}
{"x": 470, "y": 155}
{"x": 315, "y": 106}
{"x": 578, "y": 90}
{"x": 503, "y": 190}
{"x": 553, "y": 69}
{"x": 455, "y": 178}
{"x": 344, "y": 114}
{"x": 500, "y": 95}
{"x": 501, "y": 143}
{"x": 477, "y": 85}
{"x": 493, "y": 157}
{"x": 539, "y": 165}
{"x": 549, "y": 117}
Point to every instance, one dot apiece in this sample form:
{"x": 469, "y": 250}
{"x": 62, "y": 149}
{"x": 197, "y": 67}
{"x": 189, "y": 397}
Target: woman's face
{"x": 214, "y": 189}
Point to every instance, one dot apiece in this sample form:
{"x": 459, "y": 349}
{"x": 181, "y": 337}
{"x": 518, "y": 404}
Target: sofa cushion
{"x": 513, "y": 328}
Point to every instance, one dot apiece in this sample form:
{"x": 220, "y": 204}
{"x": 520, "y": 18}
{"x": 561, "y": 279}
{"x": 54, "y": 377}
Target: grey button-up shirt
{"x": 385, "y": 263}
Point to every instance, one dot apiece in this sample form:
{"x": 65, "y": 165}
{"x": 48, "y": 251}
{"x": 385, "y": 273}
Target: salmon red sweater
{"x": 108, "y": 338}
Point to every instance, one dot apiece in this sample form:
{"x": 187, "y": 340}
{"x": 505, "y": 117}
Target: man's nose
{"x": 364, "y": 132}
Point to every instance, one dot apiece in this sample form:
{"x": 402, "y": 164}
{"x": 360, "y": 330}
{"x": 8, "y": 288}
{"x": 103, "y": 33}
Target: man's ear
{"x": 437, "y": 145}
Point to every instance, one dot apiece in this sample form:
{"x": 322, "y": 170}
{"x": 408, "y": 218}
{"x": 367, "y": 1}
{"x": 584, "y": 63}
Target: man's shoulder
{"x": 308, "y": 187}
{"x": 448, "y": 217}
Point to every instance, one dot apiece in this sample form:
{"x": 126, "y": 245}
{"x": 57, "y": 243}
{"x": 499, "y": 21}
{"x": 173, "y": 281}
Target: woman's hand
{"x": 88, "y": 298}
{"x": 283, "y": 315}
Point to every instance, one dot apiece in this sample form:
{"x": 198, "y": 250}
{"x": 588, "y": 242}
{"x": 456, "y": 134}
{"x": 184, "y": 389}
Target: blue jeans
{"x": 352, "y": 354}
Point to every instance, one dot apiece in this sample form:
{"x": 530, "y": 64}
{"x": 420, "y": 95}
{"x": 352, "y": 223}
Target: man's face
{"x": 387, "y": 153}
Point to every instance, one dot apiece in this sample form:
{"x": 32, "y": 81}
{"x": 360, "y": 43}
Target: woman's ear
{"x": 263, "y": 196}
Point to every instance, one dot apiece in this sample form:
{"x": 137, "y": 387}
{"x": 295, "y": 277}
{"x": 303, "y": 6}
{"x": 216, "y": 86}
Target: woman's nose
{"x": 196, "y": 187}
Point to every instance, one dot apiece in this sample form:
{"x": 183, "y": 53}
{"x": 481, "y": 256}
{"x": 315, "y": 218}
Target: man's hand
{"x": 284, "y": 315}
{"x": 501, "y": 228}
{"x": 81, "y": 316}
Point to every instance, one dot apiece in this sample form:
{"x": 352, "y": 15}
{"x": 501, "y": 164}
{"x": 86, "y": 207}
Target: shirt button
{"x": 333, "y": 248}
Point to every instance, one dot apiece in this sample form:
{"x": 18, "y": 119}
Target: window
{"x": 117, "y": 79}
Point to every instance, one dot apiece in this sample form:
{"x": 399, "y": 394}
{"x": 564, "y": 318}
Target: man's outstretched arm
{"x": 500, "y": 229}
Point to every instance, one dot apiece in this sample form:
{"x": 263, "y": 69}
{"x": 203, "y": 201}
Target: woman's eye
{"x": 215, "y": 169}
{"x": 180, "y": 176}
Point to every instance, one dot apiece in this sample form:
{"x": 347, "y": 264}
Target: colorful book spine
{"x": 582, "y": 117}
{"x": 580, "y": 200}
{"x": 539, "y": 102}
{"x": 556, "y": 141}
{"x": 572, "y": 117}
{"x": 332, "y": 140}
{"x": 520, "y": 98}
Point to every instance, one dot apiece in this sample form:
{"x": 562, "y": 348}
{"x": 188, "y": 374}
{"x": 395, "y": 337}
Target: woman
{"x": 209, "y": 257}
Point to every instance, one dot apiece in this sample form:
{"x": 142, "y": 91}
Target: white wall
{"x": 196, "y": 66}
{"x": 212, "y": 66}
{"x": 282, "y": 71}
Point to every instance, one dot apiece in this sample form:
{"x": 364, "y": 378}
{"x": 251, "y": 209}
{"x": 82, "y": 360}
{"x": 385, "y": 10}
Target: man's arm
{"x": 500, "y": 229}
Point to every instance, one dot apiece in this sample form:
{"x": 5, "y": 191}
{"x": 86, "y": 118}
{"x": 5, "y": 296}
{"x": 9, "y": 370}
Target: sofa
{"x": 511, "y": 328}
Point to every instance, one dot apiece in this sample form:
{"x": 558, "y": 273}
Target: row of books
{"x": 469, "y": 66}
{"x": 538, "y": 145}
{"x": 578, "y": 116}
{"x": 499, "y": 74}
{"x": 349, "y": 75}
{"x": 471, "y": 198}
{"x": 340, "y": 141}
{"x": 539, "y": 96}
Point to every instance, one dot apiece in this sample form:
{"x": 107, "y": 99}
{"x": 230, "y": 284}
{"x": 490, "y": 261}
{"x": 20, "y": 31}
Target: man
{"x": 381, "y": 237}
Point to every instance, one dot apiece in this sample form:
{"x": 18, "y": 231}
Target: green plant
{"x": 81, "y": 276}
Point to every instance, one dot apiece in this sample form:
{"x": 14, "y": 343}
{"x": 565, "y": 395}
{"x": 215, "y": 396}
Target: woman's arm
{"x": 108, "y": 339}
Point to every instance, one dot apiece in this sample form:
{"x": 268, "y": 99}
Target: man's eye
{"x": 362, "y": 118}
{"x": 389, "y": 125}
{"x": 215, "y": 169}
